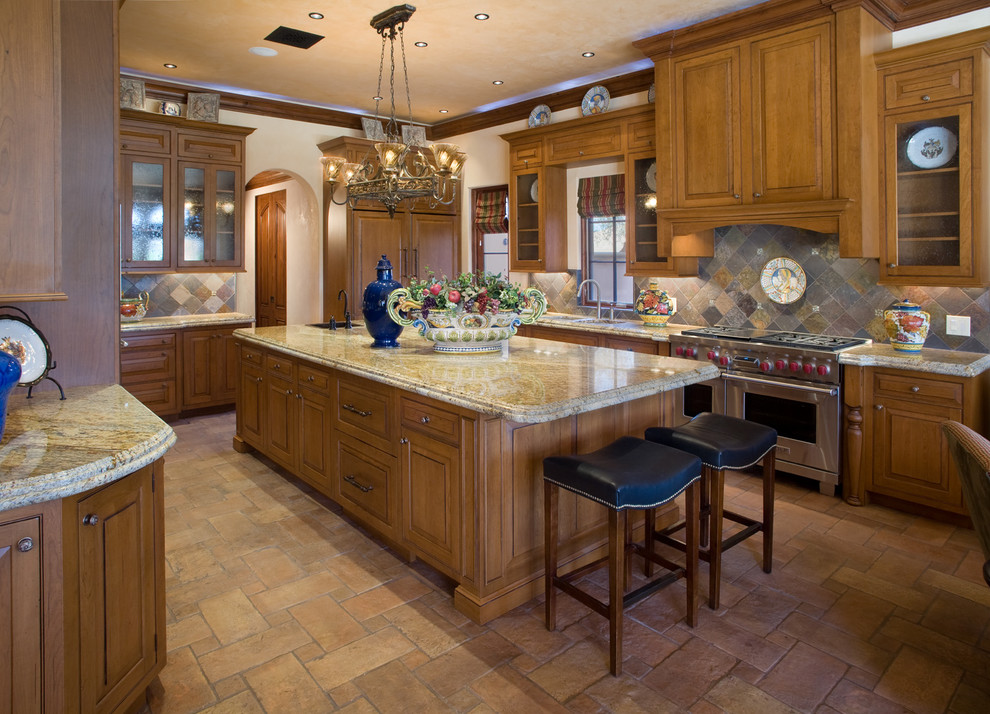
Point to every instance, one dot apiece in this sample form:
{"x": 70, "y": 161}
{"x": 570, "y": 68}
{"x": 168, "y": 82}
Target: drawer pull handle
{"x": 359, "y": 412}
{"x": 123, "y": 343}
{"x": 425, "y": 420}
{"x": 403, "y": 440}
{"x": 257, "y": 379}
{"x": 310, "y": 378}
{"x": 91, "y": 520}
{"x": 354, "y": 482}
{"x": 915, "y": 388}
{"x": 25, "y": 544}
{"x": 288, "y": 391}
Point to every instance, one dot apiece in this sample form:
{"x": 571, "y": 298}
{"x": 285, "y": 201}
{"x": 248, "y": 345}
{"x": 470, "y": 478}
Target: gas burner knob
{"x": 823, "y": 369}
{"x": 809, "y": 368}
{"x": 766, "y": 366}
{"x": 712, "y": 354}
{"x": 795, "y": 366}
{"x": 780, "y": 364}
{"x": 723, "y": 360}
{"x": 678, "y": 350}
{"x": 690, "y": 352}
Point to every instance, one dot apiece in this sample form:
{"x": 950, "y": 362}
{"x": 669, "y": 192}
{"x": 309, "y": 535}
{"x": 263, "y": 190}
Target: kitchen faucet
{"x": 347, "y": 313}
{"x": 599, "y": 293}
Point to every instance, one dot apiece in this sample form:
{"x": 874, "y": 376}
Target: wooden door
{"x": 117, "y": 590}
{"x": 198, "y": 357}
{"x": 270, "y": 284}
{"x": 708, "y": 138}
{"x": 20, "y": 613}
{"x": 792, "y": 116}
{"x": 435, "y": 244}
{"x": 431, "y": 494}
{"x": 375, "y": 234}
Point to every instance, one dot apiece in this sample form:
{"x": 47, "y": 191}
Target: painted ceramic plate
{"x": 27, "y": 345}
{"x": 651, "y": 96}
{"x": 783, "y": 280}
{"x": 651, "y": 176}
{"x": 595, "y": 101}
{"x": 932, "y": 147}
{"x": 540, "y": 116}
{"x": 534, "y": 191}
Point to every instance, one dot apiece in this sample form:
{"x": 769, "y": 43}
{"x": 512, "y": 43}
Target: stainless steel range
{"x": 791, "y": 381}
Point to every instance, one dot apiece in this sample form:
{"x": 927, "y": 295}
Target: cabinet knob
{"x": 736, "y": 196}
{"x": 25, "y": 544}
{"x": 123, "y": 343}
{"x": 757, "y": 194}
{"x": 915, "y": 388}
{"x": 164, "y": 354}
{"x": 878, "y": 407}
{"x": 891, "y": 265}
{"x": 298, "y": 395}
{"x": 257, "y": 379}
{"x": 288, "y": 391}
{"x": 91, "y": 520}
{"x": 310, "y": 378}
{"x": 925, "y": 98}
{"x": 580, "y": 153}
{"x": 403, "y": 440}
{"x": 425, "y": 420}
{"x": 164, "y": 340}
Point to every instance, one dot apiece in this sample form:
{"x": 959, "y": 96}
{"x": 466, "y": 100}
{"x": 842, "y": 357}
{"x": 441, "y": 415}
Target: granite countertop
{"x": 173, "y": 322}
{"x": 623, "y": 328}
{"x": 947, "y": 362}
{"x": 530, "y": 381}
{"x": 53, "y": 448}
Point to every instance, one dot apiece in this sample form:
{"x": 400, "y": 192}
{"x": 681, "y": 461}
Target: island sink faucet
{"x": 598, "y": 292}
{"x": 347, "y": 313}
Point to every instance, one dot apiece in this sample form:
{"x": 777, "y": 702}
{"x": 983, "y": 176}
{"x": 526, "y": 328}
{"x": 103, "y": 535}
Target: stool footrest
{"x": 651, "y": 587}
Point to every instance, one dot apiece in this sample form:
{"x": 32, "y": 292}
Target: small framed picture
{"x": 373, "y": 129}
{"x": 131, "y": 94}
{"x": 413, "y": 135}
{"x": 203, "y": 106}
{"x": 170, "y": 109}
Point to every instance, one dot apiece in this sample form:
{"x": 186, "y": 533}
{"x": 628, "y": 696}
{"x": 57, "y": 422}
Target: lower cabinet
{"x": 366, "y": 483}
{"x": 209, "y": 367}
{"x": 148, "y": 369}
{"x": 645, "y": 345}
{"x": 21, "y": 647}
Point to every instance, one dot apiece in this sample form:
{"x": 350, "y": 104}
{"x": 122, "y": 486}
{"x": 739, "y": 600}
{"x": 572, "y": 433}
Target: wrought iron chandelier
{"x": 401, "y": 172}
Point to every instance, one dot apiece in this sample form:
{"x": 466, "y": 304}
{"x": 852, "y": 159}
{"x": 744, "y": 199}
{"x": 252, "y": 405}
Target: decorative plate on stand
{"x": 932, "y": 147}
{"x": 540, "y": 116}
{"x": 783, "y": 280}
{"x": 595, "y": 101}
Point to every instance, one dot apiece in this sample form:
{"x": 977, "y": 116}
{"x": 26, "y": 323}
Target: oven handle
{"x": 831, "y": 391}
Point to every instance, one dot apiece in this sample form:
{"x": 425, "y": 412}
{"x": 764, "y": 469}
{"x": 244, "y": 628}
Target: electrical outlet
{"x": 957, "y": 325}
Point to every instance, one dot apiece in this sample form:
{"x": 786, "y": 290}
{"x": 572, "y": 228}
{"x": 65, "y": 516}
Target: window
{"x": 491, "y": 237}
{"x": 601, "y": 205}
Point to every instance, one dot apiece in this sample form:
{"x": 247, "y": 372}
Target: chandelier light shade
{"x": 396, "y": 172}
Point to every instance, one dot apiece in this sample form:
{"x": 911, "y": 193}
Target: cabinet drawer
{"x": 161, "y": 397}
{"x": 924, "y": 388}
{"x": 131, "y": 342}
{"x": 366, "y": 477}
{"x": 280, "y": 364}
{"x": 641, "y": 134}
{"x": 151, "y": 364}
{"x": 630, "y": 344}
{"x": 528, "y": 155}
{"x": 251, "y": 355}
{"x": 949, "y": 80}
{"x": 363, "y": 411}
{"x": 212, "y": 148}
{"x": 604, "y": 141}
{"x": 438, "y": 423}
{"x": 315, "y": 379}
{"x": 144, "y": 139}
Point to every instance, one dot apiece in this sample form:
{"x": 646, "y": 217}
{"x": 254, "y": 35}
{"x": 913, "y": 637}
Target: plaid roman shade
{"x": 601, "y": 196}
{"x": 489, "y": 212}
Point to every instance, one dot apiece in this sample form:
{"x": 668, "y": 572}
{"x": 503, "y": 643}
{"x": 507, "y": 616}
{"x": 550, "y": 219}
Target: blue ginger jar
{"x": 374, "y": 306}
{"x": 10, "y": 375}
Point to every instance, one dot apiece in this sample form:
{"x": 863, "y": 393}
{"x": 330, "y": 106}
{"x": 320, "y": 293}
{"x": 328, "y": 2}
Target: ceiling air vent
{"x": 294, "y": 38}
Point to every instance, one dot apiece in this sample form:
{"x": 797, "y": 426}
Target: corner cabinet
{"x": 182, "y": 194}
{"x": 934, "y": 113}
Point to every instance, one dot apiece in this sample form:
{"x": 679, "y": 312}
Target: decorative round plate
{"x": 534, "y": 191}
{"x": 651, "y": 176}
{"x": 932, "y": 147}
{"x": 651, "y": 96}
{"x": 595, "y": 101}
{"x": 540, "y": 116}
{"x": 783, "y": 280}
{"x": 27, "y": 345}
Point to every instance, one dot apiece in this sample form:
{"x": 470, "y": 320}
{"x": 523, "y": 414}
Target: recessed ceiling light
{"x": 482, "y": 16}
{"x": 316, "y": 15}
{"x": 169, "y": 65}
{"x": 498, "y": 81}
{"x": 263, "y": 51}
{"x": 420, "y": 44}
{"x": 587, "y": 54}
{"x": 443, "y": 111}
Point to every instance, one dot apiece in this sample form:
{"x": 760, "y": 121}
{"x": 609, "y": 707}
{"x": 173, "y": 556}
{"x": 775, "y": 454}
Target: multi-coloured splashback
{"x": 182, "y": 293}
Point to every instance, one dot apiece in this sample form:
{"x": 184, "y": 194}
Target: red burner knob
{"x": 795, "y": 366}
{"x": 712, "y": 354}
{"x": 809, "y": 368}
{"x": 678, "y": 350}
{"x": 723, "y": 360}
{"x": 766, "y": 366}
{"x": 781, "y": 364}
{"x": 823, "y": 369}
{"x": 690, "y": 352}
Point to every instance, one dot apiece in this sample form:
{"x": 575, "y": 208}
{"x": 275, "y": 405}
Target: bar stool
{"x": 723, "y": 442}
{"x": 628, "y": 474}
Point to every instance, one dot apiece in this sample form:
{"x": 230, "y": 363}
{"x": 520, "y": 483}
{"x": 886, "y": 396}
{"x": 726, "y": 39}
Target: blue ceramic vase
{"x": 380, "y": 325}
{"x": 10, "y": 375}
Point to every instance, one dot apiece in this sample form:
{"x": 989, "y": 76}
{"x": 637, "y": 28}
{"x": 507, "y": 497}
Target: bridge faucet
{"x": 599, "y": 293}
{"x": 347, "y": 313}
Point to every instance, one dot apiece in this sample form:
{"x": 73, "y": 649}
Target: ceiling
{"x": 533, "y": 46}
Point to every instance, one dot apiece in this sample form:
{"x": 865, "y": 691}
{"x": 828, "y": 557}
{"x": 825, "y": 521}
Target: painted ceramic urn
{"x": 654, "y": 306}
{"x": 376, "y": 319}
{"x": 907, "y": 326}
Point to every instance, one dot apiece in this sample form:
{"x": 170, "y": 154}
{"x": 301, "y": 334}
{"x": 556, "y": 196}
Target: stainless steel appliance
{"x": 791, "y": 381}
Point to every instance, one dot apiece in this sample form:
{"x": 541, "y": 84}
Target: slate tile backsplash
{"x": 182, "y": 294}
{"x": 842, "y": 297}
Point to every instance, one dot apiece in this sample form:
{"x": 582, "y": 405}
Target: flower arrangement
{"x": 479, "y": 293}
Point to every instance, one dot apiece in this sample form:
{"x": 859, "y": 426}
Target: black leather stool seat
{"x": 628, "y": 473}
{"x": 722, "y": 442}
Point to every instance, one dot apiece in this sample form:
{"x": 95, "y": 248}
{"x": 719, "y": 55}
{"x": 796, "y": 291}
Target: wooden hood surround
{"x": 769, "y": 115}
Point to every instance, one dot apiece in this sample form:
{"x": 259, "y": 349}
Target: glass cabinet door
{"x": 526, "y": 253}
{"x": 928, "y": 194}
{"x": 145, "y": 222}
{"x": 192, "y": 184}
{"x": 211, "y": 225}
{"x": 226, "y": 202}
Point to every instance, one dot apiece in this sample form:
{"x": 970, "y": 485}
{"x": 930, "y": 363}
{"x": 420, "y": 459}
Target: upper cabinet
{"x": 933, "y": 98}
{"x": 182, "y": 194}
{"x": 537, "y": 228}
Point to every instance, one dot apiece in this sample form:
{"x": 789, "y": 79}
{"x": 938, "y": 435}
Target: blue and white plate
{"x": 783, "y": 280}
{"x": 595, "y": 101}
{"x": 540, "y": 116}
{"x": 932, "y": 147}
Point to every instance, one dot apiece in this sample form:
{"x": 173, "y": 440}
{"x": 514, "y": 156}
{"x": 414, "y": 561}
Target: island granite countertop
{"x": 530, "y": 381}
{"x": 53, "y": 448}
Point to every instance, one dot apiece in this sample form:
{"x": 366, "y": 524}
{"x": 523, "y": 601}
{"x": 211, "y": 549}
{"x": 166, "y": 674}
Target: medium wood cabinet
{"x": 209, "y": 367}
{"x": 182, "y": 194}
{"x": 149, "y": 371}
{"x": 537, "y": 222}
{"x": 413, "y": 242}
{"x": 644, "y": 345}
{"x": 933, "y": 107}
{"x": 21, "y": 649}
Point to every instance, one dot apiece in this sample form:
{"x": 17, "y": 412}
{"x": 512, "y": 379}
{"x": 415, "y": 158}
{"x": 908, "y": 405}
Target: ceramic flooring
{"x": 276, "y": 602}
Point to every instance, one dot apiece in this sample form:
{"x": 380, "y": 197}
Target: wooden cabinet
{"x": 182, "y": 195}
{"x": 148, "y": 369}
{"x": 537, "y": 222}
{"x": 933, "y": 97}
{"x": 209, "y": 366}
{"x": 114, "y": 591}
{"x": 644, "y": 345}
{"x": 21, "y": 650}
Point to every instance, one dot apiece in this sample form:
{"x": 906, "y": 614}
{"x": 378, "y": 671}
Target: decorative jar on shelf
{"x": 907, "y": 326}
{"x": 654, "y": 306}
{"x": 376, "y": 318}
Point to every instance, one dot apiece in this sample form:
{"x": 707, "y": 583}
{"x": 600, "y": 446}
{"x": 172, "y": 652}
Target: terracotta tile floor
{"x": 278, "y": 603}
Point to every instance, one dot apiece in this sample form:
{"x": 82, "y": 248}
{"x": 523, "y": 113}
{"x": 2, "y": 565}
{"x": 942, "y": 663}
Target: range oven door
{"x": 694, "y": 399}
{"x": 806, "y": 417}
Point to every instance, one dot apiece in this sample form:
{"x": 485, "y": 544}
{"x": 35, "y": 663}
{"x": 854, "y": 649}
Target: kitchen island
{"x": 441, "y": 455}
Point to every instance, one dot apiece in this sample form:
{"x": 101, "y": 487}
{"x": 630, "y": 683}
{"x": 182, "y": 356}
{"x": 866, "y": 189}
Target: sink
{"x": 599, "y": 321}
{"x": 340, "y": 325}
{"x": 561, "y": 318}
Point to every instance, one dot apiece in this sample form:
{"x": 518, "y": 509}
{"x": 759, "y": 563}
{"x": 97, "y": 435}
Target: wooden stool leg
{"x": 717, "y": 480}
{"x": 627, "y": 571}
{"x": 649, "y": 537}
{"x": 616, "y": 570}
{"x": 550, "y": 535}
{"x": 692, "y": 526}
{"x": 769, "y": 470}
{"x": 706, "y": 506}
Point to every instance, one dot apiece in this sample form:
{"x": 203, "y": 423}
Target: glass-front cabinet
{"x": 537, "y": 227}
{"x": 210, "y": 216}
{"x": 145, "y": 219}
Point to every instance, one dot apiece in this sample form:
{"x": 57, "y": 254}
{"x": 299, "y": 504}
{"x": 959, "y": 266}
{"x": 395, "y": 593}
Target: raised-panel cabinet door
{"x": 225, "y": 366}
{"x": 431, "y": 488}
{"x": 791, "y": 89}
{"x": 435, "y": 244}
{"x": 198, "y": 354}
{"x": 375, "y": 234}
{"x": 315, "y": 416}
{"x": 117, "y": 590}
{"x": 20, "y": 613}
{"x": 251, "y": 405}
{"x": 282, "y": 410}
